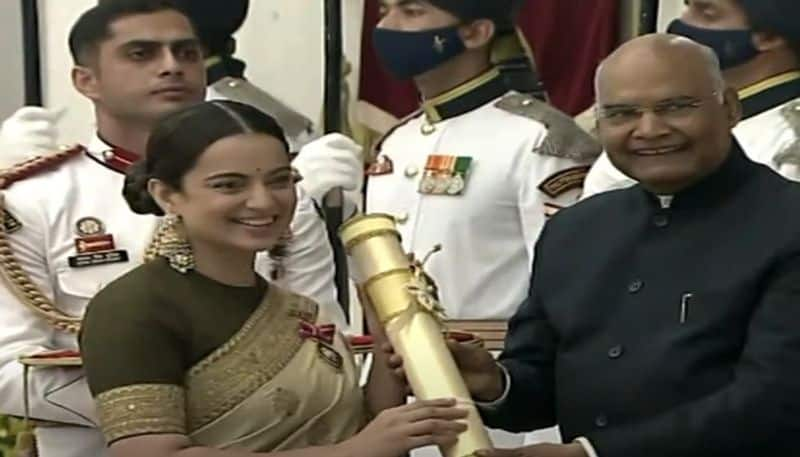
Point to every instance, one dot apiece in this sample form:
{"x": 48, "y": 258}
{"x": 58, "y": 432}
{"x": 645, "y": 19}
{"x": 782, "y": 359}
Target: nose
{"x": 261, "y": 198}
{"x": 170, "y": 63}
{"x": 650, "y": 125}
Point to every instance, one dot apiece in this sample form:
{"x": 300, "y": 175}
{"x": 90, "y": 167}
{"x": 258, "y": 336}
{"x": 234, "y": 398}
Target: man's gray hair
{"x": 712, "y": 67}
{"x": 714, "y": 71}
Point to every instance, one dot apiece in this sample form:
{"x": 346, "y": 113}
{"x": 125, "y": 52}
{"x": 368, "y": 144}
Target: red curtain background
{"x": 569, "y": 39}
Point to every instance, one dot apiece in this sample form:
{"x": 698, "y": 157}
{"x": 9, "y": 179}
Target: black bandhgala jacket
{"x": 665, "y": 332}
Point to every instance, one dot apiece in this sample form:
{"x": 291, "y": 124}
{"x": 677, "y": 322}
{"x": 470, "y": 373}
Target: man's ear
{"x": 478, "y": 33}
{"x": 85, "y": 81}
{"x": 733, "y": 106}
{"x": 768, "y": 41}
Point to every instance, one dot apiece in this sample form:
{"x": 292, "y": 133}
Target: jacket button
{"x": 635, "y": 286}
{"x": 601, "y": 421}
{"x": 661, "y": 220}
{"x": 411, "y": 171}
{"x": 615, "y": 352}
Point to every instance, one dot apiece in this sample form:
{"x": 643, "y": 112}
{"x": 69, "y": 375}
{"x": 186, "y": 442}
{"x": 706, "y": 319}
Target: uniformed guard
{"x": 216, "y": 23}
{"x": 758, "y": 45}
{"x": 68, "y": 232}
{"x": 480, "y": 168}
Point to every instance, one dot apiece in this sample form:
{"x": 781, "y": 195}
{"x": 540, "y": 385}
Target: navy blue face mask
{"x": 732, "y": 47}
{"x": 409, "y": 54}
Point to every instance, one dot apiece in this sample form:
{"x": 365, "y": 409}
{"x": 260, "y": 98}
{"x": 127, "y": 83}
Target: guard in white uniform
{"x": 480, "y": 181}
{"x": 69, "y": 232}
{"x": 767, "y": 74}
{"x": 478, "y": 169}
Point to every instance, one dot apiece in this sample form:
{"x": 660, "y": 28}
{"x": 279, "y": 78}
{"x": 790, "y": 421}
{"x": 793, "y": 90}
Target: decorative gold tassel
{"x": 25, "y": 445}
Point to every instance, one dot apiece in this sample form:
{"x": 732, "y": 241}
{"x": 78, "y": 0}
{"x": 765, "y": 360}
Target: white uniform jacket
{"x": 478, "y": 171}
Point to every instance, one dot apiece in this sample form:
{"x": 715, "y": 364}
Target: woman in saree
{"x": 194, "y": 354}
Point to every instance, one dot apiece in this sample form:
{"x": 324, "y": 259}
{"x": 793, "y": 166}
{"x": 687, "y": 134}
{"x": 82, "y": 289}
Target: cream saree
{"x": 279, "y": 383}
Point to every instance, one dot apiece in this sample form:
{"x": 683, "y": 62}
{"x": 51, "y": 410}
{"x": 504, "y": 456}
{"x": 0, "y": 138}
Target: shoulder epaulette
{"x": 791, "y": 112}
{"x": 379, "y": 144}
{"x": 37, "y": 165}
{"x": 564, "y": 137}
{"x": 240, "y": 90}
{"x": 791, "y": 153}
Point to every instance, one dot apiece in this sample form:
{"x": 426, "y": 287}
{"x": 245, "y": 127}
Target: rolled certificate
{"x": 406, "y": 306}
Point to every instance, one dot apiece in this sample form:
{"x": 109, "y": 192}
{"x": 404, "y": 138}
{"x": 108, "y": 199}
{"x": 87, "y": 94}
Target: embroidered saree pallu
{"x": 284, "y": 381}
{"x": 405, "y": 302}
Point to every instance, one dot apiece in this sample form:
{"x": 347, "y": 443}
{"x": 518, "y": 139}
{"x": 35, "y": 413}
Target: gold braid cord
{"x": 14, "y": 276}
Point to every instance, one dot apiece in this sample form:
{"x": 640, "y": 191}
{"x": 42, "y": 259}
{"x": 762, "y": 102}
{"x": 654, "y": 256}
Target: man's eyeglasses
{"x": 670, "y": 109}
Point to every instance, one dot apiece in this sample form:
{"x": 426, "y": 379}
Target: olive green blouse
{"x": 153, "y": 324}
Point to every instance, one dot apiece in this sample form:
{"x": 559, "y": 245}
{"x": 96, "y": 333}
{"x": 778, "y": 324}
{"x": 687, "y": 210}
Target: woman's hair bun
{"x": 135, "y": 191}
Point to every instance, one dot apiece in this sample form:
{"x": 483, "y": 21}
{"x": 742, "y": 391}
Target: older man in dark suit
{"x": 662, "y": 320}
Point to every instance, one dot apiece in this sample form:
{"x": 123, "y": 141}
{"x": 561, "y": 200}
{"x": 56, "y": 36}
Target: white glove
{"x": 29, "y": 132}
{"x": 790, "y": 170}
{"x": 329, "y": 162}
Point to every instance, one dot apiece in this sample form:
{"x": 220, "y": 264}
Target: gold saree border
{"x": 142, "y": 409}
{"x": 262, "y": 348}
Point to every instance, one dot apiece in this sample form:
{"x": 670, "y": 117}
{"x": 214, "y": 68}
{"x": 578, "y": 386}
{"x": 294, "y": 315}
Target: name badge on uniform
{"x": 97, "y": 243}
{"x": 381, "y": 166}
{"x": 94, "y": 246}
{"x": 445, "y": 175}
{"x": 564, "y": 181}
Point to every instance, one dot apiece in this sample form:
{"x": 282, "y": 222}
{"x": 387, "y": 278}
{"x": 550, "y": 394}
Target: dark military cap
{"x": 216, "y": 20}
{"x": 502, "y": 12}
{"x": 779, "y": 16}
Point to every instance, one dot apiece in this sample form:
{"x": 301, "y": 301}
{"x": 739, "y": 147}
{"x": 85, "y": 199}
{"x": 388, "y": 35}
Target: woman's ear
{"x": 84, "y": 79}
{"x": 164, "y": 195}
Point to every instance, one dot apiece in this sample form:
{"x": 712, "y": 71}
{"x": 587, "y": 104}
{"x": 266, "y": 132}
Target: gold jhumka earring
{"x": 170, "y": 243}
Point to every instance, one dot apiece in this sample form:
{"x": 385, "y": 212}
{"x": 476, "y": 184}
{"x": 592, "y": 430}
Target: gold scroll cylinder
{"x": 383, "y": 270}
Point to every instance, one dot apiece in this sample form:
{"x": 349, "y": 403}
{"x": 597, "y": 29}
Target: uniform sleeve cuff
{"x": 489, "y": 405}
{"x": 587, "y": 446}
